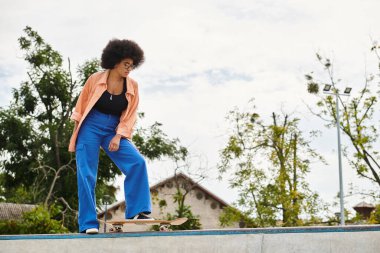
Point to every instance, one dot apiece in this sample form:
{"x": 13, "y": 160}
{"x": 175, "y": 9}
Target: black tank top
{"x": 113, "y": 104}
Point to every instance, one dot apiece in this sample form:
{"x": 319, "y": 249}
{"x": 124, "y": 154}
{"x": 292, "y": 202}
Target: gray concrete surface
{"x": 363, "y": 239}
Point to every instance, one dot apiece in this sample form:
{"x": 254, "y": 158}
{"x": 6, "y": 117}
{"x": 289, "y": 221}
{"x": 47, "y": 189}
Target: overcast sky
{"x": 203, "y": 58}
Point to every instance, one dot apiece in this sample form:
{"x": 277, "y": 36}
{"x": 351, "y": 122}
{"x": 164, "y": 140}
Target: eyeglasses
{"x": 129, "y": 66}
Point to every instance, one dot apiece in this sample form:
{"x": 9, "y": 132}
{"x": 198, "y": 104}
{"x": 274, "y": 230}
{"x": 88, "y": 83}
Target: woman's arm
{"x": 76, "y": 125}
{"x": 82, "y": 100}
{"x": 125, "y": 128}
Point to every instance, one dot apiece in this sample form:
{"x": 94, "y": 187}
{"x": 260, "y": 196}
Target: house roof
{"x": 364, "y": 205}
{"x": 192, "y": 182}
{"x": 12, "y": 211}
{"x": 165, "y": 181}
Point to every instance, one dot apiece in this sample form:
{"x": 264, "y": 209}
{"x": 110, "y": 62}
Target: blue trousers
{"x": 96, "y": 131}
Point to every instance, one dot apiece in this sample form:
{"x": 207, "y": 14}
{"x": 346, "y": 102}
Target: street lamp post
{"x": 340, "y": 163}
{"x": 106, "y": 201}
{"x": 335, "y": 92}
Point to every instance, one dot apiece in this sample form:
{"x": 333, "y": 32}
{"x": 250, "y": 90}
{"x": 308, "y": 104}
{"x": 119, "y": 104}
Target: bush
{"x": 191, "y": 224}
{"x": 375, "y": 216}
{"x": 37, "y": 221}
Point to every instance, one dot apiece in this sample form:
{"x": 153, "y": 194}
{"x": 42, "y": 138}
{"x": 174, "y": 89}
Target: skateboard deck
{"x": 117, "y": 225}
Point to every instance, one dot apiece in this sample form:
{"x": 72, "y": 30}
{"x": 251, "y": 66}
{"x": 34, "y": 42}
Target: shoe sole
{"x": 92, "y": 232}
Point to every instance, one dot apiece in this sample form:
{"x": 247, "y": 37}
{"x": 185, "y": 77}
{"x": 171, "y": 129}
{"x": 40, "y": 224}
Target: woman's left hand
{"x": 114, "y": 143}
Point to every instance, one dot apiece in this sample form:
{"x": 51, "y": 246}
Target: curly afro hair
{"x": 117, "y": 50}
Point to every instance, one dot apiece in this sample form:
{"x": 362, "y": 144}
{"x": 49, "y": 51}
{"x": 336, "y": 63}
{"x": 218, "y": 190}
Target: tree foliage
{"x": 375, "y": 215}
{"x": 154, "y": 143}
{"x": 183, "y": 188}
{"x": 231, "y": 214}
{"x": 40, "y": 220}
{"x": 268, "y": 164}
{"x": 357, "y": 120}
{"x": 35, "y": 129}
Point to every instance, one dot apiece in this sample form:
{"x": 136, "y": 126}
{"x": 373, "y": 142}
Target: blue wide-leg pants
{"x": 96, "y": 131}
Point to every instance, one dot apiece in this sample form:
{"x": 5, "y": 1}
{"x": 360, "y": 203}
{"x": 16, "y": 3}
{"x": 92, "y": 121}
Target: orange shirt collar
{"x": 103, "y": 80}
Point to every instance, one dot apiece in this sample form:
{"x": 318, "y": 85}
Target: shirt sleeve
{"x": 82, "y": 101}
{"x": 126, "y": 127}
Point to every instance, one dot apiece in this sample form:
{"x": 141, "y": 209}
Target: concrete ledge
{"x": 331, "y": 229}
{"x": 346, "y": 239}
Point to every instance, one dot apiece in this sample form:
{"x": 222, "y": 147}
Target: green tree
{"x": 153, "y": 143}
{"x": 268, "y": 163}
{"x": 375, "y": 215}
{"x": 184, "y": 186}
{"x": 357, "y": 121}
{"x": 231, "y": 214}
{"x": 35, "y": 130}
{"x": 40, "y": 220}
{"x": 183, "y": 210}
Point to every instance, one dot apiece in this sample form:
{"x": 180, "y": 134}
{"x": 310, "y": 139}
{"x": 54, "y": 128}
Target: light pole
{"x": 106, "y": 201}
{"x": 335, "y": 92}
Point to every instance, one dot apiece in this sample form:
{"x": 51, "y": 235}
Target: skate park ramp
{"x": 347, "y": 239}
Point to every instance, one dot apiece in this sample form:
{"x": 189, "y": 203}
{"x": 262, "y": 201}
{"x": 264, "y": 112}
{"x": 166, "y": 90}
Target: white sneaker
{"x": 92, "y": 231}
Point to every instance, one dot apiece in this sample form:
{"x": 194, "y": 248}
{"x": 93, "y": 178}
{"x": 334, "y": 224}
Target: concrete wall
{"x": 363, "y": 239}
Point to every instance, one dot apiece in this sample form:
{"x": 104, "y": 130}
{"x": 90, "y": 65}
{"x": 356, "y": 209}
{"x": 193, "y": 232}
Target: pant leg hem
{"x": 143, "y": 210}
{"x": 83, "y": 230}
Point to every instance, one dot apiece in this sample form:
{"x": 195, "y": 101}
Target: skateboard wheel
{"x": 118, "y": 228}
{"x": 165, "y": 228}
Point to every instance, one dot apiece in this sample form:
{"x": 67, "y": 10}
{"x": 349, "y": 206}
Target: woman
{"x": 104, "y": 116}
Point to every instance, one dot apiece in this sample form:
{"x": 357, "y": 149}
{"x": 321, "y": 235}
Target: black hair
{"x": 117, "y": 50}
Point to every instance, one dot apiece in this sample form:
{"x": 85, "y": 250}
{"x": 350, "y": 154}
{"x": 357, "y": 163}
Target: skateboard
{"x": 117, "y": 225}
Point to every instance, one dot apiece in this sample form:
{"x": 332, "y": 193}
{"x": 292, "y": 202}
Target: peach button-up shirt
{"x": 93, "y": 89}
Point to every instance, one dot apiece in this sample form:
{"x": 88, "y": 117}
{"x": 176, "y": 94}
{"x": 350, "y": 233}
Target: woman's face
{"x": 124, "y": 67}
